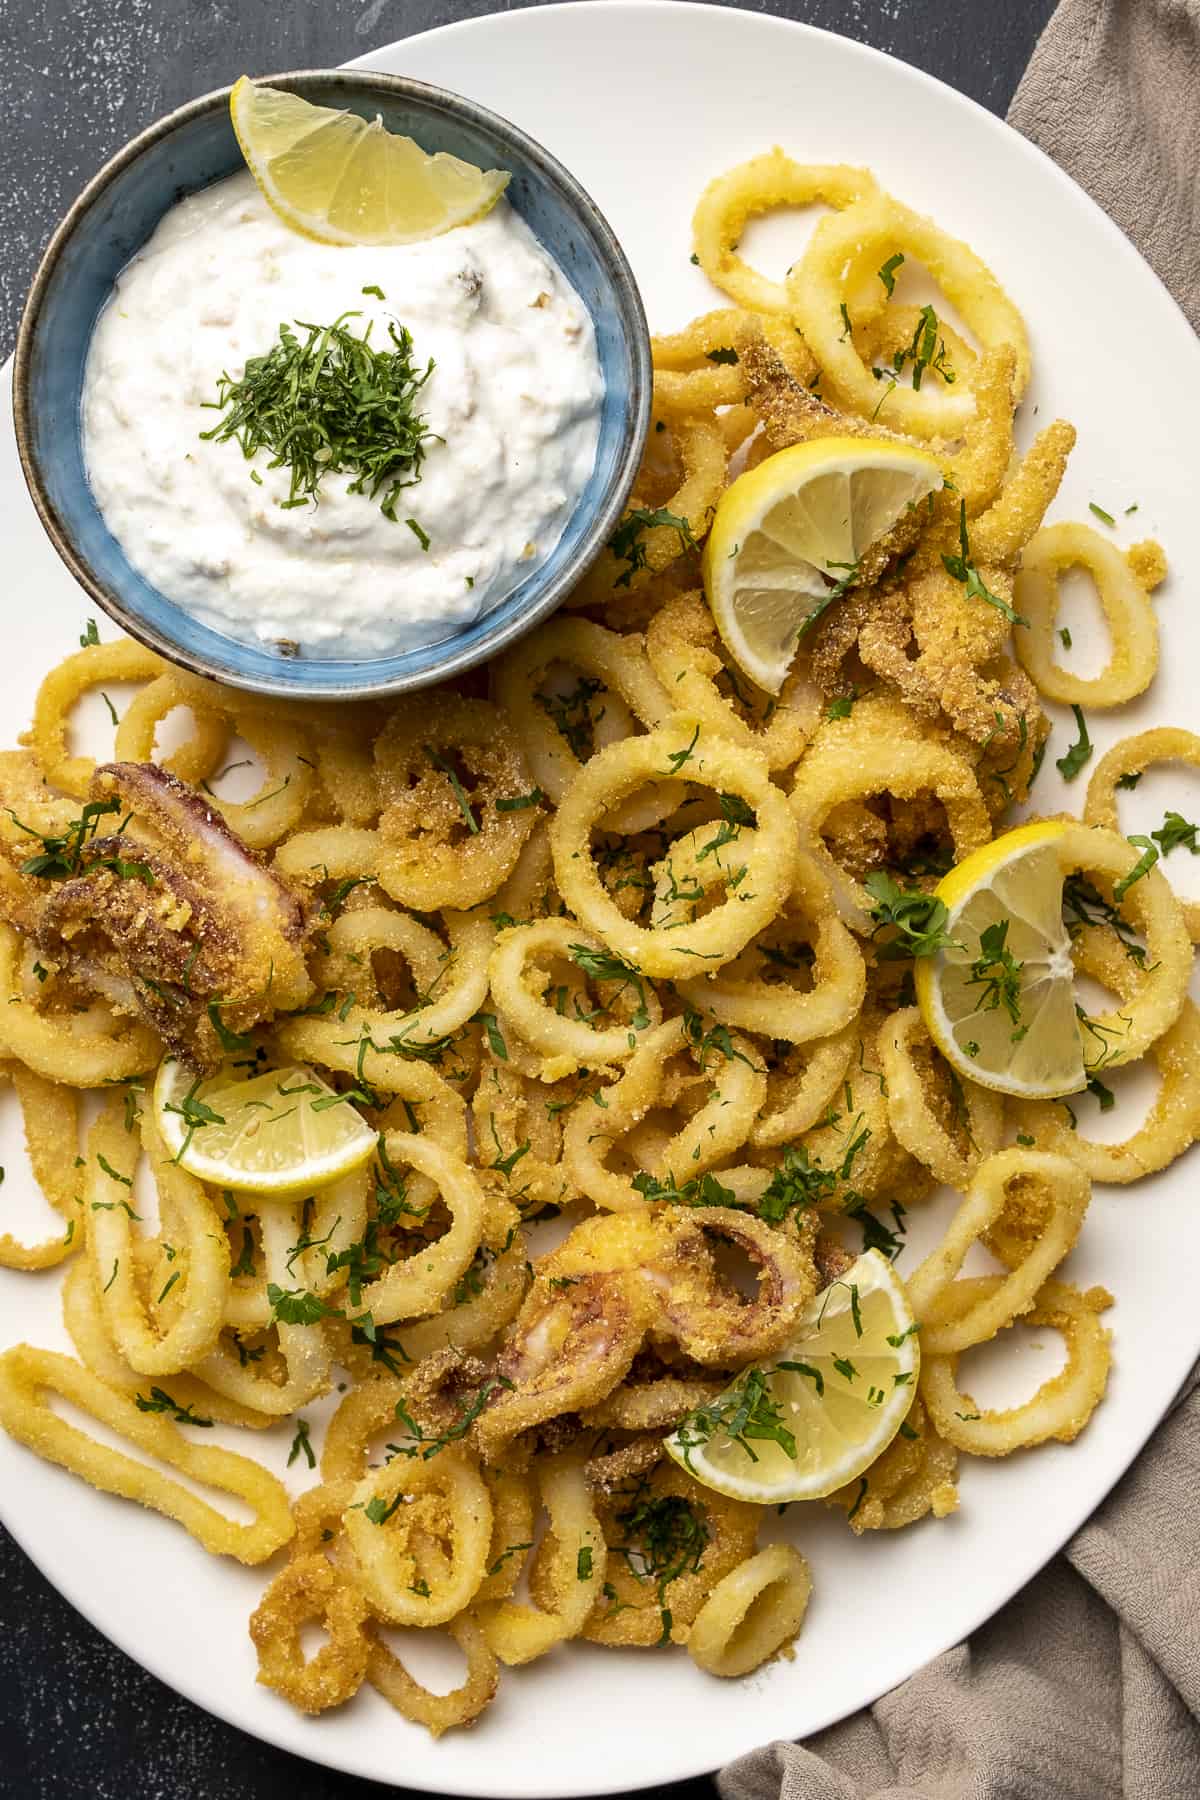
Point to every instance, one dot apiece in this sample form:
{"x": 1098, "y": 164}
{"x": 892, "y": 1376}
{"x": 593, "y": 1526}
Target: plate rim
{"x": 499, "y": 1788}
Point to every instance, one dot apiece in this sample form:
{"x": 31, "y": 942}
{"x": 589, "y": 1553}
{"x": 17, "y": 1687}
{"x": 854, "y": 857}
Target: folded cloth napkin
{"x": 1087, "y": 1685}
{"x": 1112, "y": 93}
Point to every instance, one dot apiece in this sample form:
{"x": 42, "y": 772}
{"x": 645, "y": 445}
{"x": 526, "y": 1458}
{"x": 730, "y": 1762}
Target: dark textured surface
{"x": 78, "y": 1720}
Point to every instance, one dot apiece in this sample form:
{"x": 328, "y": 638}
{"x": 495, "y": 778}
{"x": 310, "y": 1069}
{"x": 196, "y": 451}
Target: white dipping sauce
{"x": 515, "y": 395}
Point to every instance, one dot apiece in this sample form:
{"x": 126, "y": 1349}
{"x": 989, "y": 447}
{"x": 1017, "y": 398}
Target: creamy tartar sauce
{"x": 514, "y": 399}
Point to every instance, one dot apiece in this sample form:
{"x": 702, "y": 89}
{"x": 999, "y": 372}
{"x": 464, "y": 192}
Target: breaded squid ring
{"x": 1124, "y": 581}
{"x": 914, "y": 1120}
{"x": 192, "y": 1222}
{"x": 1173, "y": 1122}
{"x": 522, "y": 1004}
{"x": 197, "y": 758}
{"x": 61, "y": 689}
{"x": 680, "y": 747}
{"x": 50, "y": 1113}
{"x": 848, "y": 763}
{"x": 752, "y": 1613}
{"x": 781, "y": 1011}
{"x": 838, "y": 269}
{"x": 305, "y": 1349}
{"x": 420, "y": 1284}
{"x": 712, "y": 1135}
{"x": 1153, "y": 909}
{"x": 796, "y": 1101}
{"x": 1061, "y": 1407}
{"x": 88, "y": 1049}
{"x": 682, "y": 644}
{"x": 1133, "y": 756}
{"x": 705, "y": 459}
{"x": 27, "y": 1374}
{"x": 1068, "y": 1192}
{"x": 438, "y": 1713}
{"x": 423, "y": 1501}
{"x": 755, "y": 187}
{"x": 438, "y": 844}
{"x": 618, "y": 663}
{"x": 310, "y": 1591}
{"x": 571, "y": 1561}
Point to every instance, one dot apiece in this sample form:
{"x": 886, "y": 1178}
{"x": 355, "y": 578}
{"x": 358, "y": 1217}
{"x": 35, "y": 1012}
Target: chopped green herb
{"x": 1079, "y": 753}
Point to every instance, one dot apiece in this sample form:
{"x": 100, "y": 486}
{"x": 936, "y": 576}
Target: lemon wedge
{"x": 344, "y": 180}
{"x": 787, "y": 534}
{"x": 282, "y": 1132}
{"x": 999, "y": 1002}
{"x": 824, "y": 1409}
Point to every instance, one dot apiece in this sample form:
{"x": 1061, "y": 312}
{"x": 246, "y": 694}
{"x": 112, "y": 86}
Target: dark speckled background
{"x": 78, "y": 1720}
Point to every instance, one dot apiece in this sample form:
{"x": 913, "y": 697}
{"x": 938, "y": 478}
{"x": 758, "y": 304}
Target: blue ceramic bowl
{"x": 112, "y": 219}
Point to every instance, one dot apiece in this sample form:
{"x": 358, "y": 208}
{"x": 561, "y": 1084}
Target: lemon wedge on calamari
{"x": 789, "y": 535}
{"x": 815, "y": 1416}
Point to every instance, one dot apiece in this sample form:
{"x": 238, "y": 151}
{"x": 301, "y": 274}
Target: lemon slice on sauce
{"x": 282, "y": 1132}
{"x": 789, "y": 532}
{"x": 821, "y": 1411}
{"x": 999, "y": 1003}
{"x": 344, "y": 180}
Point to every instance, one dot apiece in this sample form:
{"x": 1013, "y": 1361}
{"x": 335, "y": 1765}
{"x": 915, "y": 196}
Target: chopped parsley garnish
{"x": 61, "y": 855}
{"x": 518, "y": 802}
{"x": 888, "y": 272}
{"x": 424, "y": 1446}
{"x": 1142, "y": 866}
{"x": 603, "y": 965}
{"x": 464, "y": 805}
{"x": 627, "y": 541}
{"x": 89, "y": 635}
{"x": 1176, "y": 832}
{"x": 997, "y": 972}
{"x": 300, "y": 1443}
{"x": 745, "y": 1413}
{"x": 722, "y": 355}
{"x": 330, "y": 405}
{"x": 1130, "y": 780}
{"x": 161, "y": 1402}
{"x": 918, "y": 919}
{"x": 1079, "y": 753}
{"x": 961, "y": 568}
{"x": 1100, "y": 513}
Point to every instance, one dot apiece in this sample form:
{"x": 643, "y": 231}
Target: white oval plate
{"x": 645, "y": 102}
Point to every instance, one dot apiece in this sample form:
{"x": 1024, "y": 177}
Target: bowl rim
{"x": 600, "y": 527}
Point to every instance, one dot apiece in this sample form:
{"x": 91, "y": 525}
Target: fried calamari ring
{"x": 189, "y": 1223}
{"x": 512, "y": 1532}
{"x": 798, "y": 1096}
{"x": 308, "y": 1591}
{"x": 60, "y": 691}
{"x": 678, "y": 748}
{"x": 779, "y": 1009}
{"x": 705, "y": 460}
{"x": 51, "y": 1117}
{"x": 571, "y": 1564}
{"x": 1124, "y": 581}
{"x": 330, "y": 853}
{"x": 1133, "y": 756}
{"x": 288, "y": 776}
{"x": 196, "y": 759}
{"x": 1068, "y": 1192}
{"x": 87, "y": 1048}
{"x": 438, "y": 1713}
{"x": 26, "y": 1375}
{"x": 420, "y": 1531}
{"x": 755, "y": 187}
{"x": 616, "y": 688}
{"x": 721, "y": 1126}
{"x": 1151, "y": 906}
{"x": 688, "y": 378}
{"x": 420, "y": 1284}
{"x": 643, "y": 1602}
{"x": 346, "y": 765}
{"x": 451, "y": 984}
{"x": 443, "y": 842}
{"x": 1060, "y": 1408}
{"x": 752, "y": 1613}
{"x": 519, "y": 982}
{"x": 914, "y": 1476}
{"x": 84, "y": 1319}
{"x": 838, "y": 269}
{"x": 935, "y": 1140}
{"x": 848, "y": 761}
{"x": 1173, "y": 1121}
{"x": 683, "y": 646}
{"x": 300, "y": 1371}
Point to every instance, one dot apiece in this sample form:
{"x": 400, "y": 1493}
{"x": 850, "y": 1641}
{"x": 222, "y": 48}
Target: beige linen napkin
{"x": 1087, "y": 1685}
